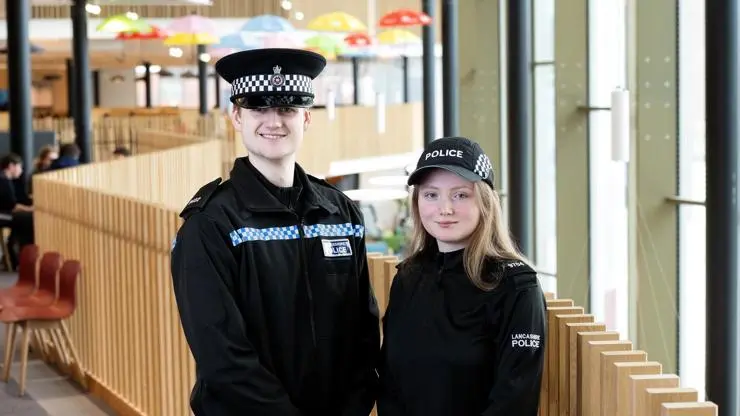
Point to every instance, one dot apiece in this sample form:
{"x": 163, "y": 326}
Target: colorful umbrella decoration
{"x": 155, "y": 33}
{"x": 192, "y": 30}
{"x": 358, "y": 40}
{"x": 326, "y": 45}
{"x": 123, "y": 23}
{"x": 361, "y": 45}
{"x": 397, "y": 37}
{"x": 267, "y": 23}
{"x": 405, "y": 17}
{"x": 336, "y": 22}
{"x": 182, "y": 39}
{"x": 279, "y": 40}
{"x": 230, "y": 44}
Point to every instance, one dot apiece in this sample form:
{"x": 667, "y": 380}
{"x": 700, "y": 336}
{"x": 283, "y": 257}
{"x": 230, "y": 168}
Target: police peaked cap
{"x": 271, "y": 77}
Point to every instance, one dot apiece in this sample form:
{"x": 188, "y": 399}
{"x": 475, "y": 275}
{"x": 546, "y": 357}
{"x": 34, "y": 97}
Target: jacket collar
{"x": 256, "y": 197}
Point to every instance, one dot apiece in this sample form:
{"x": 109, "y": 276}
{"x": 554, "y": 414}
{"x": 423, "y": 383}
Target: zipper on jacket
{"x": 309, "y": 291}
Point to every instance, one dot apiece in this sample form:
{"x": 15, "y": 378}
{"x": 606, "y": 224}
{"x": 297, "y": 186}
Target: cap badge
{"x": 277, "y": 79}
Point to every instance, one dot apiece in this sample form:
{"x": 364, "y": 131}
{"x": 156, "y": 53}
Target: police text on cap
{"x": 444, "y": 153}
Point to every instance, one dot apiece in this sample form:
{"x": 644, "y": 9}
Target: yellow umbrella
{"x": 123, "y": 23}
{"x": 397, "y": 37}
{"x": 191, "y": 39}
{"x": 337, "y": 22}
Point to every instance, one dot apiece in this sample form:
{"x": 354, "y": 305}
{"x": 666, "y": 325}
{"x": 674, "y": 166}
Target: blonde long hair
{"x": 491, "y": 240}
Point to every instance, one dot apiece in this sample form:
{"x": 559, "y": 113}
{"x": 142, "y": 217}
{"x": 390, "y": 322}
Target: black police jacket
{"x": 275, "y": 303}
{"x": 450, "y": 348}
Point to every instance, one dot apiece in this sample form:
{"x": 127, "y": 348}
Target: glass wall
{"x": 544, "y": 141}
{"x": 692, "y": 183}
{"x": 608, "y": 178}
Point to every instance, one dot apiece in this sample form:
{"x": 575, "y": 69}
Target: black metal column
{"x": 148, "y": 84}
{"x": 723, "y": 225}
{"x": 83, "y": 125}
{"x": 519, "y": 115}
{"x": 217, "y": 83}
{"x": 450, "y": 89}
{"x": 19, "y": 81}
{"x": 202, "y": 81}
{"x": 356, "y": 80}
{"x": 405, "y": 77}
{"x": 96, "y": 88}
{"x": 429, "y": 72}
{"x": 71, "y": 90}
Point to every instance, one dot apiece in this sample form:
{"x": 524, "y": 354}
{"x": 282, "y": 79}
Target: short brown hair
{"x": 10, "y": 159}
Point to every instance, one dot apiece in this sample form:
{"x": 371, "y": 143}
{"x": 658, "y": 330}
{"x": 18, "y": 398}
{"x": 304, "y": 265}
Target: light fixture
{"x": 286, "y": 4}
{"x": 204, "y": 57}
{"x": 175, "y": 52}
{"x": 92, "y": 9}
{"x": 381, "y": 194}
{"x": 299, "y": 16}
{"x": 331, "y": 104}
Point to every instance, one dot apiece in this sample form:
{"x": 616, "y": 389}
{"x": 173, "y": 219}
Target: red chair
{"x": 46, "y": 293}
{"x": 46, "y": 317}
{"x": 26, "y": 283}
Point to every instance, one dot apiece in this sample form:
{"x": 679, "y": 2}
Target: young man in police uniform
{"x": 269, "y": 267}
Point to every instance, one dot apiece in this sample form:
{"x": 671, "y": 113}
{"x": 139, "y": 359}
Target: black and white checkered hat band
{"x": 289, "y": 83}
{"x": 483, "y": 166}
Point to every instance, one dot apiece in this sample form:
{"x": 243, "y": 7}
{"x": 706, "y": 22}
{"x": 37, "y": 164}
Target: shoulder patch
{"x": 200, "y": 199}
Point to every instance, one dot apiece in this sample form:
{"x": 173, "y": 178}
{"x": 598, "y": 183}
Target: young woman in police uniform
{"x": 464, "y": 330}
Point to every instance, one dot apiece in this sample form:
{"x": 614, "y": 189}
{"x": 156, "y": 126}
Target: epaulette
{"x": 200, "y": 199}
{"x": 520, "y": 274}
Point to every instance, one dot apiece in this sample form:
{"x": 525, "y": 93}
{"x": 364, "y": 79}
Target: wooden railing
{"x": 119, "y": 218}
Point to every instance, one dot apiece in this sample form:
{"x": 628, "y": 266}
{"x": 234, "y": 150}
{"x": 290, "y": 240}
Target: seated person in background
{"x": 47, "y": 155}
{"x": 121, "y": 152}
{"x": 69, "y": 155}
{"x": 13, "y": 213}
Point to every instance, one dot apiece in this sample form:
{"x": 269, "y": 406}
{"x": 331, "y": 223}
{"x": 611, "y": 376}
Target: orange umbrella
{"x": 405, "y": 17}
{"x": 358, "y": 39}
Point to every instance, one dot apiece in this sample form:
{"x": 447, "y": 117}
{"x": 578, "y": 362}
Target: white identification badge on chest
{"x": 337, "y": 248}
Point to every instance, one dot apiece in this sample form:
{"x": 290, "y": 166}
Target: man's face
{"x": 271, "y": 133}
{"x": 15, "y": 170}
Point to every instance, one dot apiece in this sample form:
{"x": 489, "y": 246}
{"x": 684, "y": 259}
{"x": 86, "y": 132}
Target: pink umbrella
{"x": 279, "y": 40}
{"x": 192, "y": 25}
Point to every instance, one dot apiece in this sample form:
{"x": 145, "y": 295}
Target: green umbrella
{"x": 326, "y": 45}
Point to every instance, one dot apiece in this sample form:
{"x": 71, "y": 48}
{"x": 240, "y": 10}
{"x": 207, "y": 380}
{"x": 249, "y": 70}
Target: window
{"x": 608, "y": 221}
{"x": 692, "y": 276}
{"x": 544, "y": 141}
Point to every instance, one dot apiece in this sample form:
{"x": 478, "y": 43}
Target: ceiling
{"x": 127, "y": 2}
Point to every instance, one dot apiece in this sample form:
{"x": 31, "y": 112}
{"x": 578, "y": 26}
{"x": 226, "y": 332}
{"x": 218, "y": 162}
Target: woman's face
{"x": 448, "y": 209}
{"x": 50, "y": 157}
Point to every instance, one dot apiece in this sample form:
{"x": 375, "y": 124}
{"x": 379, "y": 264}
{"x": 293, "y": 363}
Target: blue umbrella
{"x": 233, "y": 41}
{"x": 267, "y": 23}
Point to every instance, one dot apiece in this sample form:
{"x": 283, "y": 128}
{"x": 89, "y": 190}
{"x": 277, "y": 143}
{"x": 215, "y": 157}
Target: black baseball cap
{"x": 458, "y": 155}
